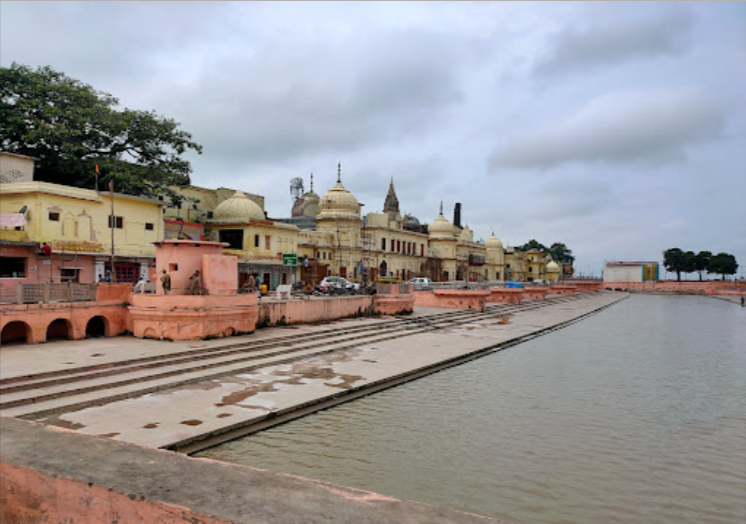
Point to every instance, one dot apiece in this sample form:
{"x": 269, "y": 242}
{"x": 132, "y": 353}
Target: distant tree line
{"x": 558, "y": 251}
{"x": 678, "y": 261}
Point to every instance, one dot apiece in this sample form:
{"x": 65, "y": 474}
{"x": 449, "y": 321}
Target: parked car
{"x": 338, "y": 283}
{"x": 420, "y": 283}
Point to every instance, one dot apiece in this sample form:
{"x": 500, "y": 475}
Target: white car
{"x": 339, "y": 283}
{"x": 420, "y": 283}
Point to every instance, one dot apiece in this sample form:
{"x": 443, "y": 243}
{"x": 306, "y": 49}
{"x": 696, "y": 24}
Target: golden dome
{"x": 338, "y": 201}
{"x": 440, "y": 227}
{"x": 553, "y": 267}
{"x": 237, "y": 209}
{"x": 493, "y": 242}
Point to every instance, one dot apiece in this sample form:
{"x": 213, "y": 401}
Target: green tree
{"x": 70, "y": 128}
{"x": 533, "y": 244}
{"x": 689, "y": 262}
{"x": 723, "y": 264}
{"x": 701, "y": 262}
{"x": 673, "y": 260}
{"x": 561, "y": 253}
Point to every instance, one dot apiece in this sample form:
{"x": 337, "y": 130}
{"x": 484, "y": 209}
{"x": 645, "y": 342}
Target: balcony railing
{"x": 47, "y": 293}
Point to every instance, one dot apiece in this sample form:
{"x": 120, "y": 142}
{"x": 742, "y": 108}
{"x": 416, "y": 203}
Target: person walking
{"x": 166, "y": 282}
{"x": 249, "y": 285}
{"x": 195, "y": 284}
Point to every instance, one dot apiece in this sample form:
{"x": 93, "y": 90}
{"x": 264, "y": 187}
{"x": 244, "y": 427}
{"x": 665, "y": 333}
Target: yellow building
{"x": 78, "y": 224}
{"x": 198, "y": 203}
{"x": 258, "y": 243}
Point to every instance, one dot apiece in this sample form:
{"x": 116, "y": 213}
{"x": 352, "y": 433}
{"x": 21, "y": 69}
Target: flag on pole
{"x": 111, "y": 186}
{"x": 96, "y": 168}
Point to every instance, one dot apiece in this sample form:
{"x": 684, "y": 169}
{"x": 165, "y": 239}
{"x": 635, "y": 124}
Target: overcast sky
{"x": 616, "y": 128}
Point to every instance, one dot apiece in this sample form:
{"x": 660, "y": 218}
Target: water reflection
{"x": 635, "y": 415}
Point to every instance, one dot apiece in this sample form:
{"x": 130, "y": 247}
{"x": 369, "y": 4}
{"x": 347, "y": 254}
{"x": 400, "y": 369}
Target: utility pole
{"x": 112, "y": 224}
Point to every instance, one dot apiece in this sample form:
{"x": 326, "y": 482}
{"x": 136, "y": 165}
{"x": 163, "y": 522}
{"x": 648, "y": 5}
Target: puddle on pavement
{"x": 502, "y": 321}
{"x": 109, "y": 435}
{"x": 152, "y": 425}
{"x": 223, "y": 415}
{"x": 191, "y": 422}
{"x": 55, "y": 420}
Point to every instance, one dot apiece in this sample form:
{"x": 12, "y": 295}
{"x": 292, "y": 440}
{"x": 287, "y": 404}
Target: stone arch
{"x": 97, "y": 326}
{"x": 229, "y": 332}
{"x": 15, "y": 331}
{"x": 60, "y": 328}
{"x": 149, "y": 333}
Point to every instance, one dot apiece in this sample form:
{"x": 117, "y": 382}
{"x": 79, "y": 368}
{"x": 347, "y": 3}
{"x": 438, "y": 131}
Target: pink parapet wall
{"x": 181, "y": 258}
{"x": 506, "y": 295}
{"x": 689, "y": 288}
{"x": 196, "y": 317}
{"x": 535, "y": 293}
{"x": 220, "y": 274}
{"x": 452, "y": 298}
{"x": 563, "y": 290}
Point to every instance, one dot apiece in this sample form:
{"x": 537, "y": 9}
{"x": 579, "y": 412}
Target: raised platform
{"x": 563, "y": 289}
{"x": 186, "y": 317}
{"x": 535, "y": 293}
{"x": 453, "y": 298}
{"x": 506, "y": 295}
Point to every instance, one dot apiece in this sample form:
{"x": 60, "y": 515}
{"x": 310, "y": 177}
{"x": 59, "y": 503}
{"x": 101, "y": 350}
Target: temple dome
{"x": 467, "y": 235}
{"x": 440, "y": 227}
{"x": 239, "y": 208}
{"x": 339, "y": 202}
{"x": 553, "y": 267}
{"x": 493, "y": 242}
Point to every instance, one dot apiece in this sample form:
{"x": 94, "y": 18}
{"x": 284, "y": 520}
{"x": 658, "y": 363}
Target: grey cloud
{"x": 665, "y": 34}
{"x": 652, "y": 126}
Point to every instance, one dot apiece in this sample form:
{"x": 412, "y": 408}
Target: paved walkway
{"x": 179, "y": 415}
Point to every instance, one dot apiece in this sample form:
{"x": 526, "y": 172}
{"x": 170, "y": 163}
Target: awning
{"x": 12, "y": 220}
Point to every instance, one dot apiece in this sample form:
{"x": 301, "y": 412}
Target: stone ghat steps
{"x": 44, "y": 380}
{"x": 88, "y": 392}
{"x": 20, "y": 383}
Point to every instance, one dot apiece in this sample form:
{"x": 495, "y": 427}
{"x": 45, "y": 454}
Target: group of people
{"x": 195, "y": 283}
{"x": 253, "y": 283}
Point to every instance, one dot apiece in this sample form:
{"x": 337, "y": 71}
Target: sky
{"x": 616, "y": 128}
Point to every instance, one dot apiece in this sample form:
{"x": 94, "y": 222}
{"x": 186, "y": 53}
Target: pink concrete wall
{"x": 220, "y": 274}
{"x": 47, "y": 273}
{"x": 534, "y": 293}
{"x": 187, "y": 256}
{"x": 313, "y": 310}
{"x": 394, "y": 304}
{"x": 708, "y": 288}
{"x": 38, "y": 317}
{"x": 563, "y": 290}
{"x": 452, "y": 298}
{"x": 29, "y": 496}
{"x": 506, "y": 295}
{"x": 179, "y": 317}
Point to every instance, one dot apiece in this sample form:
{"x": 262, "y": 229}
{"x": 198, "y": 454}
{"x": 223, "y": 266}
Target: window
{"x": 256, "y": 240}
{"x": 69, "y": 274}
{"x": 173, "y": 267}
{"x": 422, "y": 250}
{"x": 234, "y": 238}
{"x": 267, "y": 242}
{"x": 116, "y": 222}
{"x": 383, "y": 244}
{"x": 12, "y": 267}
{"x": 54, "y": 217}
{"x": 149, "y": 226}
{"x": 530, "y": 270}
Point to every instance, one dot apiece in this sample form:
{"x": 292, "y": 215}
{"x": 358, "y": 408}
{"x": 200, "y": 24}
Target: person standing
{"x": 195, "y": 284}
{"x": 166, "y": 282}
{"x": 46, "y": 249}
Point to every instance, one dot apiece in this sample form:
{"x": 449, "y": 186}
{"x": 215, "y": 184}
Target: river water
{"x": 634, "y": 415}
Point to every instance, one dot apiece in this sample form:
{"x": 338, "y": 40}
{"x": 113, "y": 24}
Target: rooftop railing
{"x": 47, "y": 293}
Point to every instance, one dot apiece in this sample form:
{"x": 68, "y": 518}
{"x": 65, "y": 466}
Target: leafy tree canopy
{"x": 533, "y": 244}
{"x": 723, "y": 264}
{"x": 674, "y": 261}
{"x": 70, "y": 128}
{"x": 701, "y": 262}
{"x": 558, "y": 251}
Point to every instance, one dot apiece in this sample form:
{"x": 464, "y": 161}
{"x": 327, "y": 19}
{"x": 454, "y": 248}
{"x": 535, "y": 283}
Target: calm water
{"x": 635, "y": 415}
